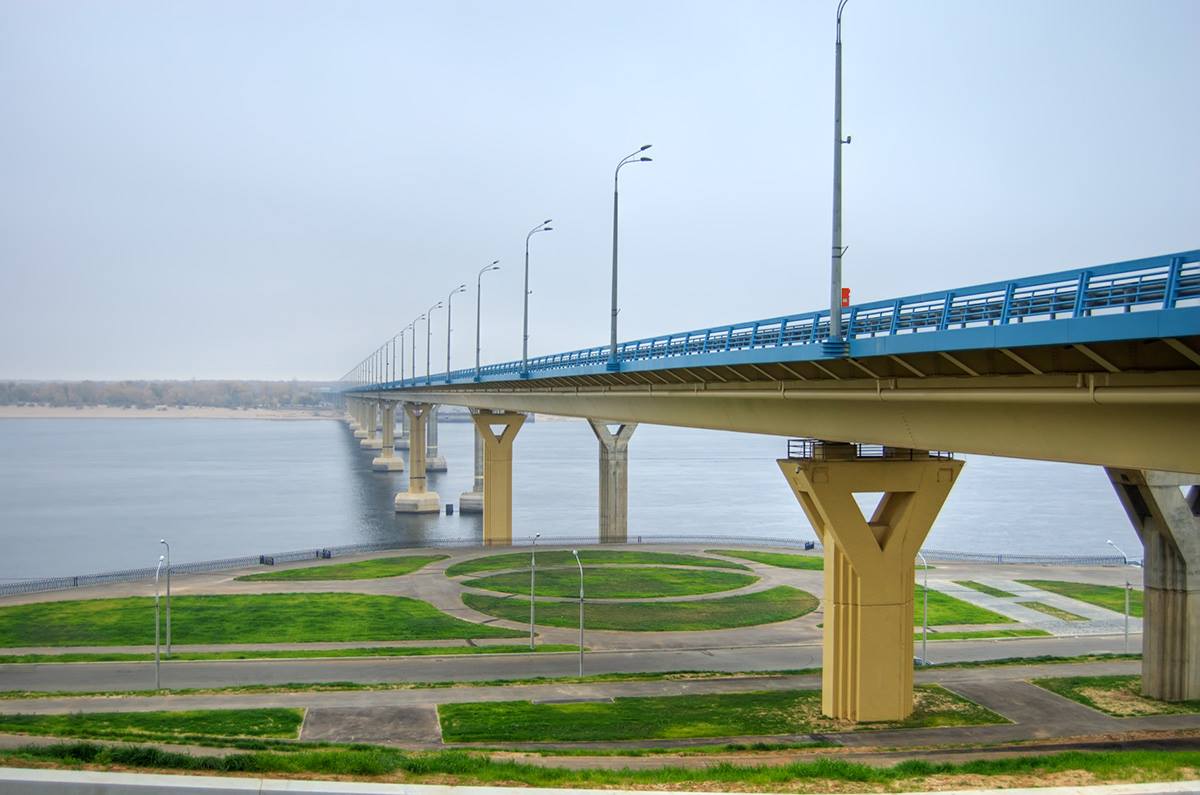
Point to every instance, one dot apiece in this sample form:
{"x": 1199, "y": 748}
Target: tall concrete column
{"x": 360, "y": 420}
{"x": 614, "y": 480}
{"x": 371, "y": 441}
{"x": 417, "y": 499}
{"x": 498, "y": 431}
{"x": 402, "y": 442}
{"x": 388, "y": 461}
{"x": 433, "y": 461}
{"x": 472, "y": 501}
{"x": 1168, "y": 524}
{"x": 867, "y": 663}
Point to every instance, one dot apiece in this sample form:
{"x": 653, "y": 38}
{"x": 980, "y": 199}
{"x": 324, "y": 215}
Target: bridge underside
{"x": 1133, "y": 404}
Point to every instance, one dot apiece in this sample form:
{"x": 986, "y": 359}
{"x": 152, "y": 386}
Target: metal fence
{"x": 324, "y": 553}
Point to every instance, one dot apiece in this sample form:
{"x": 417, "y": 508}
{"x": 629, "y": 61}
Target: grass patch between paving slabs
{"x": 685, "y": 717}
{"x": 241, "y": 618}
{"x": 1120, "y": 696}
{"x": 982, "y": 588}
{"x": 170, "y": 726}
{"x": 761, "y": 607}
{"x": 375, "y": 568}
{"x": 984, "y": 634}
{"x": 615, "y": 582}
{"x": 1111, "y": 597}
{"x": 945, "y": 609}
{"x": 782, "y": 559}
{"x": 1052, "y": 611}
{"x": 589, "y": 557}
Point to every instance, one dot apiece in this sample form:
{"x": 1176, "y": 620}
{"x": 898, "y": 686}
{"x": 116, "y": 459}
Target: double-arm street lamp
{"x": 542, "y": 227}
{"x": 428, "y": 321}
{"x": 495, "y": 266}
{"x": 635, "y": 157}
{"x": 835, "y": 266}
{"x": 413, "y": 327}
{"x": 462, "y": 288}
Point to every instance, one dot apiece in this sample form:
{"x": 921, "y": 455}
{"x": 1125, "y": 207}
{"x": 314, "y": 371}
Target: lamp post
{"x": 532, "y": 569}
{"x": 413, "y": 328}
{"x": 542, "y": 227}
{"x": 635, "y": 157}
{"x": 575, "y": 552}
{"x": 1124, "y": 557}
{"x": 462, "y": 288}
{"x": 428, "y": 321}
{"x": 835, "y": 270}
{"x": 925, "y": 611}
{"x": 478, "y": 291}
{"x": 401, "y": 336}
{"x": 163, "y": 541}
{"x": 157, "y": 677}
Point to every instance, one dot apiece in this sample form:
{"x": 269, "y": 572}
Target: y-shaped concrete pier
{"x": 498, "y": 430}
{"x": 433, "y": 461}
{"x": 472, "y": 501}
{"x": 371, "y": 441}
{"x": 388, "y": 461}
{"x": 417, "y": 499}
{"x": 614, "y": 479}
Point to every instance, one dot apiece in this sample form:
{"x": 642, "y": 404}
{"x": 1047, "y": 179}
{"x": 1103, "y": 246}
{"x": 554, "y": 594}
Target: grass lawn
{"x": 252, "y": 618}
{"x": 987, "y": 589}
{"x": 762, "y": 607}
{"x": 680, "y": 717}
{"x": 289, "y": 654}
{"x": 782, "y": 559}
{"x": 985, "y": 633}
{"x": 593, "y": 557}
{"x": 160, "y": 725}
{"x": 359, "y": 570}
{"x": 1116, "y": 695}
{"x": 1051, "y": 610}
{"x": 945, "y": 609}
{"x": 1111, "y": 597}
{"x": 615, "y": 582}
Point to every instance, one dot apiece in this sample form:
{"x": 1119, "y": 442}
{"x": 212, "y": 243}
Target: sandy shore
{"x": 188, "y": 412}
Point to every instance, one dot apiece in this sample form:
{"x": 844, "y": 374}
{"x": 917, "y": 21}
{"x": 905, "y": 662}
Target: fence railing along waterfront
{"x": 323, "y": 553}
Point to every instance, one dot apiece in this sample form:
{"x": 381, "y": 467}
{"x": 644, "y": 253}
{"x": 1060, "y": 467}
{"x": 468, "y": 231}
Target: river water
{"x": 87, "y": 495}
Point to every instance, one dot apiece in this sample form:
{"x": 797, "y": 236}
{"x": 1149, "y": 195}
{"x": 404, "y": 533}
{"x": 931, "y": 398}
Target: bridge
{"x": 1097, "y": 365}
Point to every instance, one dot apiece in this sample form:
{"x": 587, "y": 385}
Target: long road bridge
{"x": 1096, "y": 365}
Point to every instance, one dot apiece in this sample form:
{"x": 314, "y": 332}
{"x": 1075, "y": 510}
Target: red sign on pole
{"x": 845, "y": 296}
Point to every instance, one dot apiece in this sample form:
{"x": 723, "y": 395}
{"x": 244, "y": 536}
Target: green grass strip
{"x": 592, "y": 557}
{"x": 782, "y": 559}
{"x": 945, "y": 609}
{"x": 987, "y": 589}
{"x": 1120, "y": 696}
{"x": 283, "y": 723}
{"x": 682, "y": 717}
{"x": 615, "y": 582}
{"x": 289, "y": 654}
{"x": 762, "y": 607}
{"x": 359, "y": 570}
{"x": 1111, "y": 597}
{"x": 985, "y": 633}
{"x": 248, "y": 618}
{"x": 1053, "y": 611}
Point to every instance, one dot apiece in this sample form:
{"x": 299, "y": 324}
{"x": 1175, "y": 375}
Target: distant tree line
{"x": 148, "y": 394}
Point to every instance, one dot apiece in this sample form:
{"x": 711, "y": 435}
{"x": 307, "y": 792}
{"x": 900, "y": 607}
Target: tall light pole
{"x": 428, "y": 338}
{"x": 163, "y": 541}
{"x": 635, "y": 157}
{"x": 542, "y": 227}
{"x": 835, "y": 273}
{"x": 575, "y": 552}
{"x": 462, "y": 288}
{"x": 925, "y": 612}
{"x": 413, "y": 326}
{"x": 532, "y": 569}
{"x": 401, "y": 336}
{"x": 1124, "y": 557}
{"x": 157, "y": 677}
{"x": 478, "y": 288}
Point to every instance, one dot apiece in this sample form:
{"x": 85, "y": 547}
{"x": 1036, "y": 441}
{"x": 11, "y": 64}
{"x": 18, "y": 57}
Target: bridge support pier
{"x": 417, "y": 499}
{"x": 614, "y": 480}
{"x": 360, "y": 419}
{"x": 371, "y": 441}
{"x": 867, "y": 664}
{"x": 472, "y": 501}
{"x": 433, "y": 461}
{"x": 1168, "y": 523}
{"x": 497, "y": 472}
{"x": 402, "y": 442}
{"x": 388, "y": 461}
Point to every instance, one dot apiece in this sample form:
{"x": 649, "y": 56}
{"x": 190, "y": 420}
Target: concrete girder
{"x": 868, "y": 633}
{"x": 614, "y": 480}
{"x": 1168, "y": 523}
{"x": 418, "y": 499}
{"x": 497, "y": 473}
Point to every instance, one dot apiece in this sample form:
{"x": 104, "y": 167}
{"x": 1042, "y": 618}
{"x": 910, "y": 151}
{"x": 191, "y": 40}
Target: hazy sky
{"x": 270, "y": 189}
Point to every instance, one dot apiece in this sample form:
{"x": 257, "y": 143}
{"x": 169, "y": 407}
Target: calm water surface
{"x": 85, "y": 495}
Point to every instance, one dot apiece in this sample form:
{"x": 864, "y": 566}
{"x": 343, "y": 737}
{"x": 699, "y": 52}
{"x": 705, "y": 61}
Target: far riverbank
{"x": 186, "y": 413}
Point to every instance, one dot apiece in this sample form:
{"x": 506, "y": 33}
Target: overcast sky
{"x": 270, "y": 189}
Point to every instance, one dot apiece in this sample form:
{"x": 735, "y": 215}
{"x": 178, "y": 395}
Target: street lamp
{"x": 542, "y": 227}
{"x": 1124, "y": 557}
{"x": 835, "y": 269}
{"x": 635, "y": 157}
{"x": 575, "y": 552}
{"x": 163, "y": 541}
{"x": 532, "y": 568}
{"x": 413, "y": 327}
{"x": 157, "y": 677}
{"x": 478, "y": 288}
{"x": 401, "y": 336}
{"x": 462, "y": 288}
{"x": 429, "y": 320}
{"x": 925, "y": 612}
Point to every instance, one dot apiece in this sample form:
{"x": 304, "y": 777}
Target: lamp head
{"x": 646, "y": 159}
{"x": 495, "y": 262}
{"x": 644, "y": 148}
{"x": 537, "y": 535}
{"x": 548, "y": 229}
{"x": 548, "y": 220}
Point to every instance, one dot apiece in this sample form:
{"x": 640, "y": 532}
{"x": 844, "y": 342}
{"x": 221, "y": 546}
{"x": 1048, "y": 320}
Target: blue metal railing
{"x": 1165, "y": 282}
